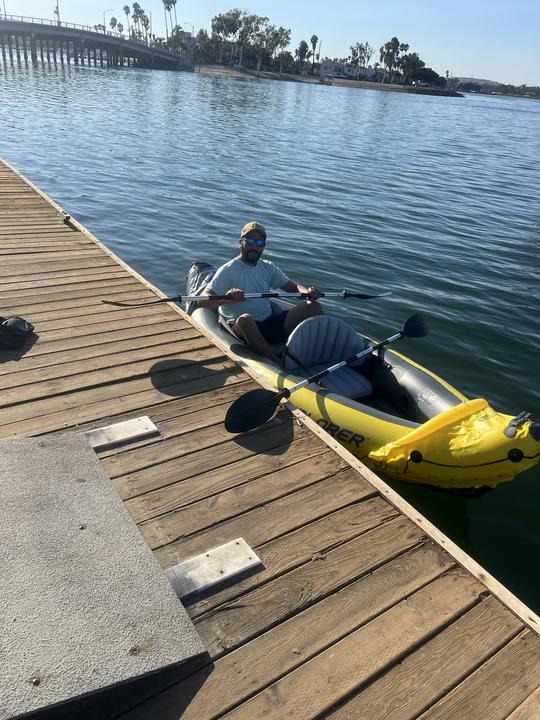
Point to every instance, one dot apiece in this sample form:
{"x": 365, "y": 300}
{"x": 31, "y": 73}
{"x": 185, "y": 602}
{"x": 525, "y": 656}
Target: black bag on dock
{"x": 14, "y": 331}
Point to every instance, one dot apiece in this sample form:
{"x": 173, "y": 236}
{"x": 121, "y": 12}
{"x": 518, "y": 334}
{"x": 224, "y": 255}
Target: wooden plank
{"x": 69, "y": 291}
{"x": 235, "y": 623}
{"x": 69, "y": 299}
{"x": 256, "y": 665}
{"x": 238, "y": 494}
{"x": 53, "y": 257}
{"x": 86, "y": 305}
{"x": 81, "y": 361}
{"x": 180, "y": 444}
{"x": 68, "y": 330}
{"x": 426, "y": 675}
{"x": 39, "y": 279}
{"x": 46, "y": 353}
{"x": 529, "y": 709}
{"x": 49, "y": 243}
{"x": 61, "y": 412}
{"x": 133, "y": 364}
{"x": 332, "y": 675}
{"x": 54, "y": 266}
{"x": 182, "y": 415}
{"x": 281, "y": 516}
{"x": 60, "y": 280}
{"x": 498, "y": 687}
{"x": 90, "y": 310}
{"x": 295, "y": 548}
{"x": 185, "y": 458}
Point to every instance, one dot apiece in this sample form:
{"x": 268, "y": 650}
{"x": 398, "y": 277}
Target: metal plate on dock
{"x": 212, "y": 568}
{"x": 84, "y": 604}
{"x": 122, "y": 432}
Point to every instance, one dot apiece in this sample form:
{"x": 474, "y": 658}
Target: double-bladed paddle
{"x": 256, "y": 407}
{"x": 344, "y": 294}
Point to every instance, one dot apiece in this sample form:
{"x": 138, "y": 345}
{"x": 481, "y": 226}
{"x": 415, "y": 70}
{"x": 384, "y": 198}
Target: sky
{"x": 485, "y": 39}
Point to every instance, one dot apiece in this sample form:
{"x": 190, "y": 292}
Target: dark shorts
{"x": 272, "y": 328}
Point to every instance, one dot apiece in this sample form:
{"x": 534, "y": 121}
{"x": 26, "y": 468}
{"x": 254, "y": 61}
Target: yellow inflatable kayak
{"x": 396, "y": 416}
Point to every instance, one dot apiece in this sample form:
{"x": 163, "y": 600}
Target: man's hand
{"x": 313, "y": 293}
{"x": 236, "y": 295}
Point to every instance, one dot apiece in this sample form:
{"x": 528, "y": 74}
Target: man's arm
{"x": 235, "y": 294}
{"x": 291, "y": 287}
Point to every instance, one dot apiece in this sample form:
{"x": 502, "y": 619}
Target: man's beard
{"x": 250, "y": 260}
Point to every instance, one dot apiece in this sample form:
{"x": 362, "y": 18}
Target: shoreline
{"x": 246, "y": 74}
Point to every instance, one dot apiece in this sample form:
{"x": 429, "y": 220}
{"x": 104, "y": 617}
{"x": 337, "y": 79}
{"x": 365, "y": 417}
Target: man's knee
{"x": 315, "y": 308}
{"x": 244, "y": 322}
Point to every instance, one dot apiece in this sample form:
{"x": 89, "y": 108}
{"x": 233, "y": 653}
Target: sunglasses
{"x": 252, "y": 241}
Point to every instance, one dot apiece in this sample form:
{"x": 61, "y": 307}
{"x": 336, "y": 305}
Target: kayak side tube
{"x": 463, "y": 447}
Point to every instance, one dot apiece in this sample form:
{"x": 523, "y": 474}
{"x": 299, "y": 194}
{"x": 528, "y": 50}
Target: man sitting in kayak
{"x": 252, "y": 319}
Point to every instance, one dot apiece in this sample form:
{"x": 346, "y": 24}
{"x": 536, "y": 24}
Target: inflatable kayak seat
{"x": 321, "y": 341}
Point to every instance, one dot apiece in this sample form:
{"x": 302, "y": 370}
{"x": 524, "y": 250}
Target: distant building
{"x": 340, "y": 69}
{"x": 187, "y": 39}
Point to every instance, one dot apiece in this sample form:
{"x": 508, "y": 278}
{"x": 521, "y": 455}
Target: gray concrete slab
{"x": 84, "y": 605}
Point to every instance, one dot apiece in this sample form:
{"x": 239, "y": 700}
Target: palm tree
{"x": 301, "y": 53}
{"x": 120, "y": 28}
{"x": 136, "y": 16}
{"x": 169, "y": 4}
{"x": 126, "y": 10}
{"x": 314, "y": 40}
{"x": 173, "y": 3}
{"x": 113, "y": 22}
{"x": 165, "y": 8}
{"x": 145, "y": 22}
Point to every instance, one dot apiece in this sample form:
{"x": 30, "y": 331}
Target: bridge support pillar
{"x": 54, "y": 51}
{"x": 82, "y": 52}
{"x": 17, "y": 49}
{"x": 101, "y": 57}
{"x": 10, "y": 49}
{"x": 2, "y": 42}
{"x": 33, "y": 48}
{"x": 88, "y": 56}
{"x": 48, "y": 51}
{"x": 61, "y": 52}
{"x": 68, "y": 58}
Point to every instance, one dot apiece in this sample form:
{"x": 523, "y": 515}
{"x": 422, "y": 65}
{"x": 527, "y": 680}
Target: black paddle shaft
{"x": 249, "y": 296}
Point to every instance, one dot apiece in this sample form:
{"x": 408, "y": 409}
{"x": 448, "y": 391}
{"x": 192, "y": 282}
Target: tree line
{"x": 138, "y": 27}
{"x": 498, "y": 88}
{"x": 238, "y": 37}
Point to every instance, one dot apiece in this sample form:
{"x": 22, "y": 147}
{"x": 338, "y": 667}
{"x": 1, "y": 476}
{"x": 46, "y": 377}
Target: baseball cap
{"x": 251, "y": 227}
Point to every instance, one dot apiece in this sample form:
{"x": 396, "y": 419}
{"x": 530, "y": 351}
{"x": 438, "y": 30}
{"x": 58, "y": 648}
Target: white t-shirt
{"x": 260, "y": 278}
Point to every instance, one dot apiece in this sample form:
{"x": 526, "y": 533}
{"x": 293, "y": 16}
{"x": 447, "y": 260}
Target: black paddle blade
{"x": 118, "y": 303}
{"x": 415, "y": 327}
{"x": 363, "y": 296}
{"x": 251, "y": 410}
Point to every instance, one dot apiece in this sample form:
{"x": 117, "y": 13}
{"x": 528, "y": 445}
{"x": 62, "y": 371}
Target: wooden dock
{"x": 363, "y": 609}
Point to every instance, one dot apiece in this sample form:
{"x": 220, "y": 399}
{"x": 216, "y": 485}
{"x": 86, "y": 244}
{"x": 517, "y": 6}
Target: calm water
{"x": 436, "y": 199}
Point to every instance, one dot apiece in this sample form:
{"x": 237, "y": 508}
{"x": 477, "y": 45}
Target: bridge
{"x": 24, "y": 39}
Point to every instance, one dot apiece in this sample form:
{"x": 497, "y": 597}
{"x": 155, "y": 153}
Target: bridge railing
{"x": 87, "y": 28}
{"x": 67, "y": 26}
